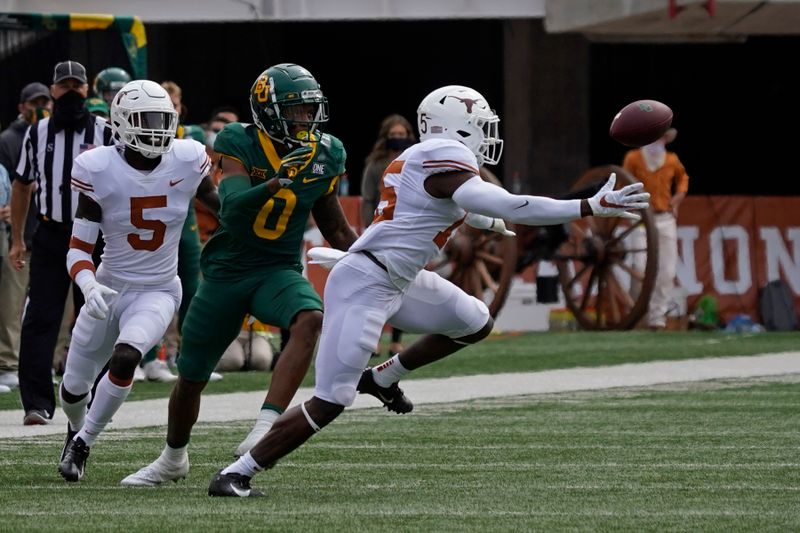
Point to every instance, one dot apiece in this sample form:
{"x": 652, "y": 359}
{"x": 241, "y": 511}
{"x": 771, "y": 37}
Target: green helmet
{"x": 272, "y": 99}
{"x": 108, "y": 82}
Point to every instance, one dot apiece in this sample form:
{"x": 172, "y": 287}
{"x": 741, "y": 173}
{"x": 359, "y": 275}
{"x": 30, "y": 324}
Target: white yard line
{"x": 245, "y": 405}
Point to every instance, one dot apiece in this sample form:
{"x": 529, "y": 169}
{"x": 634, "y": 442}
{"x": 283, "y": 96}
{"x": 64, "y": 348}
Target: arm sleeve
{"x": 478, "y": 196}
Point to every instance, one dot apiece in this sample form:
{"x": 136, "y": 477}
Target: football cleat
{"x": 70, "y": 435}
{"x": 73, "y": 465}
{"x": 232, "y": 484}
{"x": 156, "y": 473}
{"x": 392, "y": 397}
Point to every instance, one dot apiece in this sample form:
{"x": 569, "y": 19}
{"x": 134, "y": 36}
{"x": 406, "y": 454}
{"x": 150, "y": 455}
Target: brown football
{"x": 640, "y": 123}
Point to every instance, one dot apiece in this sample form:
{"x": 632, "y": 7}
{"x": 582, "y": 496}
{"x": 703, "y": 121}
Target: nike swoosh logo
{"x": 605, "y": 203}
{"x": 241, "y": 493}
{"x": 309, "y": 180}
{"x": 383, "y": 398}
{"x": 174, "y": 183}
{"x": 523, "y": 205}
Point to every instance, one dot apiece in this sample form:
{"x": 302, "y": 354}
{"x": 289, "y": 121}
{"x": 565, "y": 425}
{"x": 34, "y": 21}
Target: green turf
{"x": 719, "y": 456}
{"x": 532, "y": 352}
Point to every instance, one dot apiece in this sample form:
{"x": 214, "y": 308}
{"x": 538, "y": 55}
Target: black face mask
{"x": 398, "y": 144}
{"x": 69, "y": 110}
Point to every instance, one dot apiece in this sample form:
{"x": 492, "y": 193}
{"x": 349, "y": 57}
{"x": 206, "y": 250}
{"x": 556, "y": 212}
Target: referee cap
{"x": 69, "y": 69}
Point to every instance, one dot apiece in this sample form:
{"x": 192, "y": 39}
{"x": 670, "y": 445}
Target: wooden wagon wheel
{"x": 607, "y": 266}
{"x": 482, "y": 263}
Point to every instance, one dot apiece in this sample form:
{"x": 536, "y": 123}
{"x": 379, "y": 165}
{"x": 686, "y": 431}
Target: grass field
{"x": 531, "y": 352}
{"x": 718, "y": 456}
{"x": 704, "y": 457}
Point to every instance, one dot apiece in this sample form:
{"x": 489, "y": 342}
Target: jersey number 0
{"x": 279, "y": 207}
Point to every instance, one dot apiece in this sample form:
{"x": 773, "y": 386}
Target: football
{"x": 640, "y": 123}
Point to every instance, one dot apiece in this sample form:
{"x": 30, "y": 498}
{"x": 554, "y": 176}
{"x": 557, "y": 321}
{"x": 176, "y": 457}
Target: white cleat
{"x": 156, "y": 473}
{"x": 138, "y": 374}
{"x": 157, "y": 370}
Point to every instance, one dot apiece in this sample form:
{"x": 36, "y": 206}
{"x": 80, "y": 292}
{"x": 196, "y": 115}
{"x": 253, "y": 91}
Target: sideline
{"x": 245, "y": 405}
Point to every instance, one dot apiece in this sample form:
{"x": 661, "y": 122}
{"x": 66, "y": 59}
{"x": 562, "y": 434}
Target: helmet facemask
{"x": 143, "y": 118}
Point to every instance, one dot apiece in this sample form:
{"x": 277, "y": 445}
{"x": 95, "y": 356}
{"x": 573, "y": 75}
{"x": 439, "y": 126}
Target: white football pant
{"x": 360, "y": 299}
{"x": 138, "y": 316}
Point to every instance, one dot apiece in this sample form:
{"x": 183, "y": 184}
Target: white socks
{"x": 174, "y": 456}
{"x": 245, "y": 466}
{"x": 106, "y": 403}
{"x": 76, "y": 412}
{"x": 388, "y": 372}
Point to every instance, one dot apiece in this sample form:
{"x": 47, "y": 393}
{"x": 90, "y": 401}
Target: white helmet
{"x": 462, "y": 114}
{"x": 143, "y": 118}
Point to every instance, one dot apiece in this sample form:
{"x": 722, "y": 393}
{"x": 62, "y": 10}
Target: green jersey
{"x": 266, "y": 230}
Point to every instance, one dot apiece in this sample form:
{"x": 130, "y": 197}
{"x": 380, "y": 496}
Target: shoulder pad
{"x": 97, "y": 159}
{"x": 187, "y": 149}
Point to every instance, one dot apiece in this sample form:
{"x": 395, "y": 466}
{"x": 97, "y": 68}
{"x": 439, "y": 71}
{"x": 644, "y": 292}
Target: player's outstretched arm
{"x": 477, "y": 196}
{"x": 330, "y": 219}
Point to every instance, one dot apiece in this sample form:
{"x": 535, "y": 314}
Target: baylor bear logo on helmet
{"x": 288, "y": 105}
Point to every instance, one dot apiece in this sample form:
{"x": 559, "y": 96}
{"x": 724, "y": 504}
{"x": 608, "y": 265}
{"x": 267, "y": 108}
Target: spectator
{"x": 48, "y": 149}
{"x": 35, "y": 104}
{"x": 394, "y": 136}
{"x": 666, "y": 180}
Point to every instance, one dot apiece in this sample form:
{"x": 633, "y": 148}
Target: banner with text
{"x": 731, "y": 246}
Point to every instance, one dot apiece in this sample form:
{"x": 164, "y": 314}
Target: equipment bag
{"x": 776, "y": 306}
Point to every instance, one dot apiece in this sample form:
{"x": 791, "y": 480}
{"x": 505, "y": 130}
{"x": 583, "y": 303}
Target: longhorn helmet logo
{"x": 469, "y": 102}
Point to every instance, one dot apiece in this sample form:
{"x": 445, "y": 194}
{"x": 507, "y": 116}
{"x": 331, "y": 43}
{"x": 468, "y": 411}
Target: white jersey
{"x": 143, "y": 212}
{"x": 410, "y": 225}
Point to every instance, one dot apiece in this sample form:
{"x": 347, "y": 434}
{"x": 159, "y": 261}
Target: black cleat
{"x": 232, "y": 484}
{"x": 73, "y": 463}
{"x": 70, "y": 435}
{"x": 392, "y": 396}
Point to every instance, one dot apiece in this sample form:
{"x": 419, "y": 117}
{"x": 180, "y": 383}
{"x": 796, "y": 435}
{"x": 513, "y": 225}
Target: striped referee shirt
{"x": 46, "y": 158}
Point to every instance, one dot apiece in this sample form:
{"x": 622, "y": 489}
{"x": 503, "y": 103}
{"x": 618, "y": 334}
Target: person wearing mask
{"x": 48, "y": 150}
{"x": 665, "y": 178}
{"x": 394, "y": 136}
{"x": 34, "y": 104}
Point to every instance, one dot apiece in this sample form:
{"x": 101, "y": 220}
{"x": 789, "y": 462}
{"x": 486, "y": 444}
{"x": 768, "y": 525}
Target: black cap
{"x": 33, "y": 90}
{"x": 69, "y": 69}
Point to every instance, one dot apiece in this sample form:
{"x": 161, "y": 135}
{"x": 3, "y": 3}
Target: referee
{"x": 44, "y": 170}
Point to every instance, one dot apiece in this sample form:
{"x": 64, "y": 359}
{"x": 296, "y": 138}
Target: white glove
{"x": 610, "y": 203}
{"x": 497, "y": 225}
{"x": 325, "y": 257}
{"x": 97, "y": 297}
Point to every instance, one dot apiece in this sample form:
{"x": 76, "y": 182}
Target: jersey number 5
{"x": 159, "y": 229}
{"x": 274, "y": 215}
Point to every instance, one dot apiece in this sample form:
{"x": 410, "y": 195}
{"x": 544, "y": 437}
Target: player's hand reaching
{"x": 97, "y": 297}
{"x": 292, "y": 163}
{"x": 610, "y": 203}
